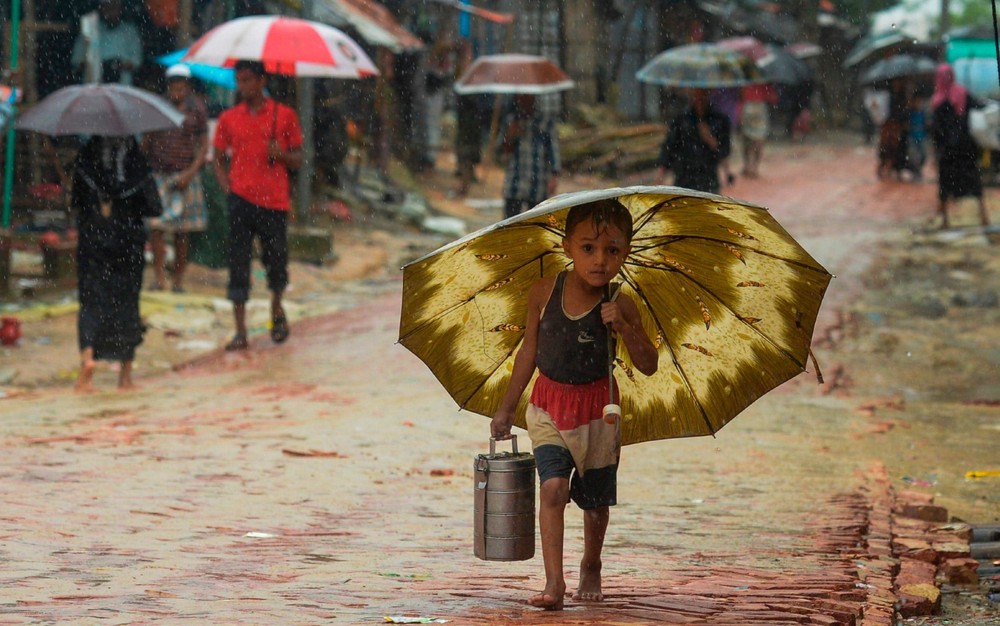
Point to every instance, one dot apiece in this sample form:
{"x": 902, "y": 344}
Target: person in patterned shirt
{"x": 531, "y": 146}
{"x": 177, "y": 156}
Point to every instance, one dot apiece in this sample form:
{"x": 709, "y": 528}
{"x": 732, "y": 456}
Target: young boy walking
{"x": 566, "y": 338}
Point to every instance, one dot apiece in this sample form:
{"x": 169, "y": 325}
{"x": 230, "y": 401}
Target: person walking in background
{"x": 471, "y": 117}
{"x": 113, "y": 190}
{"x": 697, "y": 142}
{"x": 468, "y": 139}
{"x": 893, "y": 134}
{"x": 916, "y": 151}
{"x": 177, "y": 156}
{"x": 256, "y": 142}
{"x": 729, "y": 102}
{"x": 530, "y": 145}
{"x": 755, "y": 125}
{"x": 958, "y": 172}
{"x": 875, "y": 110}
{"x": 112, "y": 51}
{"x": 576, "y": 447}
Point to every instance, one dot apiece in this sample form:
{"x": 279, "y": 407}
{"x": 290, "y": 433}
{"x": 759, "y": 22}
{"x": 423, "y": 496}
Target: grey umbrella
{"x": 780, "y": 66}
{"x": 898, "y": 66}
{"x": 100, "y": 109}
{"x": 878, "y": 44}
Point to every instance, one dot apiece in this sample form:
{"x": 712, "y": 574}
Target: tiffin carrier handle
{"x": 513, "y": 444}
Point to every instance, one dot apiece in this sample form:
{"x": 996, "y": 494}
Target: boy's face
{"x": 597, "y": 256}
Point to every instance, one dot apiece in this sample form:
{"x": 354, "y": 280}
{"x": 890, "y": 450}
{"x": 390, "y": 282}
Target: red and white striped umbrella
{"x": 285, "y": 45}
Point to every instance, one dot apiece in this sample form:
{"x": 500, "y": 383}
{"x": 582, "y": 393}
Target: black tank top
{"x": 572, "y": 351}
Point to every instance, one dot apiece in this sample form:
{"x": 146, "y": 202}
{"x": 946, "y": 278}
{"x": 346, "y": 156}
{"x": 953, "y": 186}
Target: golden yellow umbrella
{"x": 729, "y": 296}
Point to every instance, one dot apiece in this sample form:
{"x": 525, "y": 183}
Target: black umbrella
{"x": 898, "y": 66}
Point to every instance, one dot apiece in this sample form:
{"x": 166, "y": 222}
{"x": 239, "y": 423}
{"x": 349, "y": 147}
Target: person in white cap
{"x": 177, "y": 156}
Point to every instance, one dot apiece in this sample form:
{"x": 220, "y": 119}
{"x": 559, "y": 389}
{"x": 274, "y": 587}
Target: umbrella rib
{"x": 673, "y": 355}
{"x": 517, "y": 344}
{"x": 739, "y": 317}
{"x": 451, "y": 308}
{"x": 742, "y": 246}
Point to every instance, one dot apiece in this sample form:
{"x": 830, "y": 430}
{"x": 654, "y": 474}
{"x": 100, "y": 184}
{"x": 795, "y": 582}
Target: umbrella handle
{"x": 611, "y": 352}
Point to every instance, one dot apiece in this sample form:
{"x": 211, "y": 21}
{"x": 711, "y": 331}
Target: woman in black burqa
{"x": 113, "y": 190}
{"x": 957, "y": 152}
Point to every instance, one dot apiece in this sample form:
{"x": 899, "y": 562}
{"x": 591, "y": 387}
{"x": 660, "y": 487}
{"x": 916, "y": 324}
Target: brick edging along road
{"x": 877, "y": 555}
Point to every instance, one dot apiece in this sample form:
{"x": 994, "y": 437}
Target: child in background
{"x": 916, "y": 152}
{"x": 576, "y": 449}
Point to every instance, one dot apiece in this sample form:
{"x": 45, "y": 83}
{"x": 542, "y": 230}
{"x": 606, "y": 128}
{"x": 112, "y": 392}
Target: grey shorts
{"x": 595, "y": 489}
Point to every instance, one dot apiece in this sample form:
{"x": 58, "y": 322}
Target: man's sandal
{"x": 239, "y": 342}
{"x": 279, "y": 329}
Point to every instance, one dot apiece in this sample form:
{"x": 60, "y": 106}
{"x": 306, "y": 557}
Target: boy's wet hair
{"x": 605, "y": 213}
{"x": 254, "y": 66}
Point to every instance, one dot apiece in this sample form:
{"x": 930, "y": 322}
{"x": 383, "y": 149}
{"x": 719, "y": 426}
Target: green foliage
{"x": 973, "y": 13}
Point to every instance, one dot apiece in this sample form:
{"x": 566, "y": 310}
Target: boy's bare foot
{"x": 551, "y": 598}
{"x": 589, "y": 589}
{"x": 547, "y": 601}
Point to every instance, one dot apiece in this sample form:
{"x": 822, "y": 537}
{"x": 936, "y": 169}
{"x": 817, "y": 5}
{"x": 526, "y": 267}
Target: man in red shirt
{"x": 256, "y": 142}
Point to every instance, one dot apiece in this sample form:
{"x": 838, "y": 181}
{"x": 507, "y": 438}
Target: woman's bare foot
{"x": 589, "y": 589}
{"x": 549, "y": 599}
{"x": 85, "y": 381}
{"x": 125, "y": 377}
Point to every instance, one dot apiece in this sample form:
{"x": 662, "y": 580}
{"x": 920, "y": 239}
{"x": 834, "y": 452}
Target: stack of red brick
{"x": 912, "y": 550}
{"x": 930, "y": 551}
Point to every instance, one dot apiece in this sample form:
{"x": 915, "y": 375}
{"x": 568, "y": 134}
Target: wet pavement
{"x": 329, "y": 479}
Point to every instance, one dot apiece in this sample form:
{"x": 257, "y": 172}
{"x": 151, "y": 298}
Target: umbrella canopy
{"x": 729, "y": 296}
{"x": 803, "y": 50}
{"x": 775, "y": 63}
{"x": 778, "y": 66}
{"x": 875, "y": 43}
{"x": 513, "y": 73}
{"x": 750, "y": 47}
{"x": 284, "y": 45}
{"x": 100, "y": 109}
{"x": 223, "y": 76}
{"x": 701, "y": 66}
{"x": 898, "y": 66}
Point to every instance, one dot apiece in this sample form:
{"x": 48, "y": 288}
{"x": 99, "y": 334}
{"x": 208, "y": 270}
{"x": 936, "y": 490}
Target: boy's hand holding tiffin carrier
{"x": 500, "y": 425}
